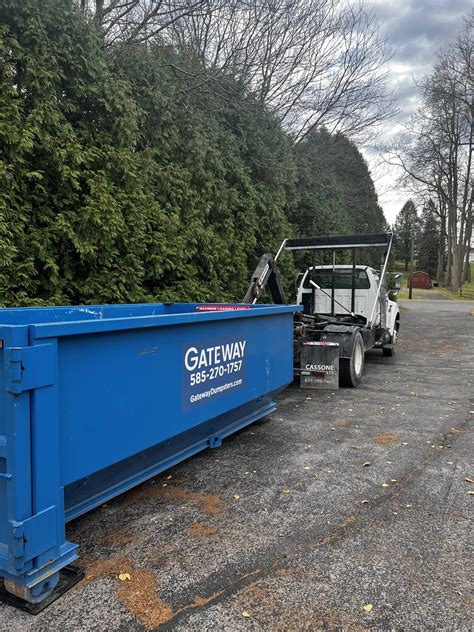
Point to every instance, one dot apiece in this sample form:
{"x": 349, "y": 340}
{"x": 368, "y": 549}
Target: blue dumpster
{"x": 97, "y": 399}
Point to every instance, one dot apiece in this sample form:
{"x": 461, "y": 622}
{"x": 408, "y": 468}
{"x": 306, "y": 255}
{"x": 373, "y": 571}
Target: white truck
{"x": 348, "y": 305}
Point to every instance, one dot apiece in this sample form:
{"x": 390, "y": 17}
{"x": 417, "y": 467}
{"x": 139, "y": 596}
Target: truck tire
{"x": 351, "y": 369}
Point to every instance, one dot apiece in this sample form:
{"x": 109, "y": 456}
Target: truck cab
{"x": 366, "y": 282}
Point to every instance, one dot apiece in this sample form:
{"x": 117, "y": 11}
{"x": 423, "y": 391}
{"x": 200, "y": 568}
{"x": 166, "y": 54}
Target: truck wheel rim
{"x": 357, "y": 359}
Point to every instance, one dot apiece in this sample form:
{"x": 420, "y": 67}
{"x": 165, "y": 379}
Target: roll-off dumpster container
{"x": 97, "y": 399}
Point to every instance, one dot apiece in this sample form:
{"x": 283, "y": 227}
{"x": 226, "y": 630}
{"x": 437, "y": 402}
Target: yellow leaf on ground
{"x": 246, "y": 614}
{"x": 306, "y": 467}
{"x": 285, "y": 491}
{"x": 471, "y": 492}
{"x": 468, "y": 479}
{"x": 124, "y": 577}
{"x": 237, "y": 497}
{"x": 385, "y": 485}
{"x": 364, "y": 502}
{"x": 368, "y": 607}
{"x": 365, "y": 463}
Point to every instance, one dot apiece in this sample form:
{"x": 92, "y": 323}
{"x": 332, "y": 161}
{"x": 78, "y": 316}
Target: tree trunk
{"x": 467, "y": 264}
{"x": 441, "y": 251}
{"x": 449, "y": 262}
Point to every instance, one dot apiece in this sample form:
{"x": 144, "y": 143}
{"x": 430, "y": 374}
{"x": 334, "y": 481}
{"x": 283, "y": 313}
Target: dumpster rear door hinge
{"x": 35, "y": 535}
{"x": 29, "y": 367}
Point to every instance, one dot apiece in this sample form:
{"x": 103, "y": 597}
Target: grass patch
{"x": 467, "y": 289}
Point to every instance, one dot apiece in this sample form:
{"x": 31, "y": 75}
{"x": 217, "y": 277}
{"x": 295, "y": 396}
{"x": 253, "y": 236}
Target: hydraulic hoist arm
{"x": 266, "y": 273}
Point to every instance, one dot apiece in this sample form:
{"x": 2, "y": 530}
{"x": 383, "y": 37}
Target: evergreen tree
{"x": 75, "y": 209}
{"x": 428, "y": 246}
{"x": 125, "y": 177}
{"x": 405, "y": 229}
{"x": 337, "y": 194}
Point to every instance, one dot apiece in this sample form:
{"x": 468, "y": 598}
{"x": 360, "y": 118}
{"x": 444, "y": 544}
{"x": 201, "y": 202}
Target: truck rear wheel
{"x": 351, "y": 369}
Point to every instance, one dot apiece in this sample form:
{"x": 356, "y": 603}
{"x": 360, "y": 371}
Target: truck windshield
{"x": 342, "y": 279}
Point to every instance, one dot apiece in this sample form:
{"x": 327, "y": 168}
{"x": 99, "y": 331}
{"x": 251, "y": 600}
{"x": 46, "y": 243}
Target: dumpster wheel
{"x": 351, "y": 369}
{"x": 13, "y": 594}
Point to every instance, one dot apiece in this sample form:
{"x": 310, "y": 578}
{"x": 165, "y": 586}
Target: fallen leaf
{"x": 237, "y": 497}
{"x": 124, "y": 577}
{"x": 450, "y": 462}
{"x": 364, "y": 502}
{"x": 168, "y": 478}
{"x": 285, "y": 491}
{"x": 246, "y": 614}
{"x": 404, "y": 443}
{"x": 471, "y": 492}
{"x": 368, "y": 607}
{"x": 408, "y": 506}
{"x": 306, "y": 467}
{"x": 366, "y": 464}
{"x": 468, "y": 479}
{"x": 385, "y": 485}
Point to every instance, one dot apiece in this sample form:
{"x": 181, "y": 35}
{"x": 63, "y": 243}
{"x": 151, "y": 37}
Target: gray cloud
{"x": 416, "y": 30}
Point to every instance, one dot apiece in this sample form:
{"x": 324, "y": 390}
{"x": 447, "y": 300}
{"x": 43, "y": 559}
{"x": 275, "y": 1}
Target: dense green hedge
{"x": 124, "y": 177}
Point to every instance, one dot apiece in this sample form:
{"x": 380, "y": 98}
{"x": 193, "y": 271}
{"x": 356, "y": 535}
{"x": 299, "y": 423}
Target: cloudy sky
{"x": 416, "y": 30}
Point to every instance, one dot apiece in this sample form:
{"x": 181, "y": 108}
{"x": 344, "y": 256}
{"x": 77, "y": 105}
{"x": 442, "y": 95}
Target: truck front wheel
{"x": 351, "y": 369}
{"x": 389, "y": 352}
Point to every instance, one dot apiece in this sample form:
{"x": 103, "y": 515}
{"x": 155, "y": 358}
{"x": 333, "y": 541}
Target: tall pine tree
{"x": 428, "y": 245}
{"x": 405, "y": 229}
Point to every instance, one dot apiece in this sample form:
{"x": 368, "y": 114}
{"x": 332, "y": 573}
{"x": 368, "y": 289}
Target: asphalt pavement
{"x": 346, "y": 510}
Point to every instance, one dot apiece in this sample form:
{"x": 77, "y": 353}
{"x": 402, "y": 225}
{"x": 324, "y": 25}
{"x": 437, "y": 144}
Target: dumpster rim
{"x": 69, "y": 328}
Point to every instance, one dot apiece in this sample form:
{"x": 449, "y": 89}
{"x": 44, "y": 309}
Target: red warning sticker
{"x": 221, "y": 308}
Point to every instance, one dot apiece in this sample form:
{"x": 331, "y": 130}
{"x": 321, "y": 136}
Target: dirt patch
{"x": 211, "y": 504}
{"x": 387, "y": 439}
{"x": 337, "y": 533}
{"x": 200, "y": 530}
{"x": 292, "y": 573}
{"x": 102, "y": 568}
{"x": 139, "y": 596}
{"x": 119, "y": 538}
{"x": 342, "y": 422}
{"x": 256, "y": 598}
{"x": 202, "y": 601}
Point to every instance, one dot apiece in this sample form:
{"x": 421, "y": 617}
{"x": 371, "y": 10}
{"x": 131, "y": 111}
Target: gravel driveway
{"x": 346, "y": 510}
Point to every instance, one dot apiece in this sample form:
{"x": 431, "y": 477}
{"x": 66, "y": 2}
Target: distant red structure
{"x": 420, "y": 280}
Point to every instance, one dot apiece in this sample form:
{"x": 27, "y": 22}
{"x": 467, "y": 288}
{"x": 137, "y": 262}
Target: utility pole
{"x": 410, "y": 291}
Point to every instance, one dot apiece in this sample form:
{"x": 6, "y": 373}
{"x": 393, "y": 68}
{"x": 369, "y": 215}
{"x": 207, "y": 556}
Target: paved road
{"x": 395, "y": 533}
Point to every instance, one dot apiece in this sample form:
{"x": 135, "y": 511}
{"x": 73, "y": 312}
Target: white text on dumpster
{"x": 213, "y": 365}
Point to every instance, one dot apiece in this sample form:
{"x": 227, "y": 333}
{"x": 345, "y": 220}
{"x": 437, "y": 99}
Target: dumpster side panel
{"x": 123, "y": 392}
{"x": 96, "y": 400}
